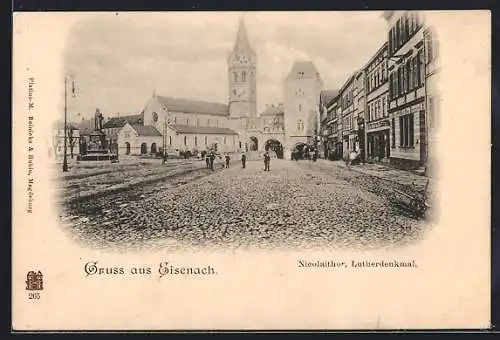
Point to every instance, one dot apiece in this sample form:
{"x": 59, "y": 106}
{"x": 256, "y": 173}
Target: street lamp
{"x": 65, "y": 157}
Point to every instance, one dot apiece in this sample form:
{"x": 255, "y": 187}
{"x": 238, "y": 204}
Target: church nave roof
{"x": 194, "y": 106}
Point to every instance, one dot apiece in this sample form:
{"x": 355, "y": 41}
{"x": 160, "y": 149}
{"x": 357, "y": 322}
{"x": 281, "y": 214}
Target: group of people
{"x": 210, "y": 159}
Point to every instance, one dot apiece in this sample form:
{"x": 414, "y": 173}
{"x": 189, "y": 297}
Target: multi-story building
{"x": 432, "y": 66}
{"x": 377, "y": 104}
{"x": 359, "y": 97}
{"x": 302, "y": 89}
{"x": 328, "y": 122}
{"x": 406, "y": 68}
{"x": 349, "y": 124}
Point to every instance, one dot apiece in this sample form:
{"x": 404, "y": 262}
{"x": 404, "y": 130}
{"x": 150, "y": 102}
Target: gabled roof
{"x": 194, "y": 106}
{"x": 116, "y": 122}
{"x": 304, "y": 70}
{"x": 146, "y": 130}
{"x": 327, "y": 96}
{"x": 207, "y": 130}
{"x": 273, "y": 110}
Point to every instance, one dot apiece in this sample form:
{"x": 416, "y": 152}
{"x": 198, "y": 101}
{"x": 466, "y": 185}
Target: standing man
{"x": 267, "y": 161}
{"x": 243, "y": 160}
{"x": 207, "y": 160}
{"x": 228, "y": 159}
{"x": 212, "y": 158}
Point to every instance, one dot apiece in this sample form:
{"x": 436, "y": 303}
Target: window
{"x": 384, "y": 111}
{"x": 404, "y": 77}
{"x": 195, "y": 140}
{"x": 393, "y": 132}
{"x": 197, "y": 121}
{"x": 420, "y": 67}
{"x": 390, "y": 41}
{"x": 187, "y": 121}
{"x": 240, "y": 144}
{"x": 185, "y": 140}
{"x": 206, "y": 140}
{"x": 235, "y": 76}
{"x": 169, "y": 140}
{"x": 208, "y": 122}
{"x": 384, "y": 73}
{"x": 406, "y": 131}
{"x": 243, "y": 76}
{"x": 217, "y": 123}
{"x": 224, "y": 140}
{"x": 300, "y": 107}
{"x": 428, "y": 47}
{"x": 390, "y": 85}
{"x": 398, "y": 33}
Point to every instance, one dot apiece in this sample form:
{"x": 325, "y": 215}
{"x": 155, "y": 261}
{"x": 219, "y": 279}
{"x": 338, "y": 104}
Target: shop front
{"x": 378, "y": 140}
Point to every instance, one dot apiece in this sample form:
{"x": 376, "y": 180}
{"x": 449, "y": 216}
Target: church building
{"x": 191, "y": 125}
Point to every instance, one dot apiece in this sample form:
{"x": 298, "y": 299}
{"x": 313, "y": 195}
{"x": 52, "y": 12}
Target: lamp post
{"x": 65, "y": 157}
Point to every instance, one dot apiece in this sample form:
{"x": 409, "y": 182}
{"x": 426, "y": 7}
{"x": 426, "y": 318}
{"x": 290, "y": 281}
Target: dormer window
{"x": 300, "y": 75}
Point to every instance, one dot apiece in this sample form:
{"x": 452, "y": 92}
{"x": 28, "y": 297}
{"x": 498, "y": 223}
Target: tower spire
{"x": 242, "y": 42}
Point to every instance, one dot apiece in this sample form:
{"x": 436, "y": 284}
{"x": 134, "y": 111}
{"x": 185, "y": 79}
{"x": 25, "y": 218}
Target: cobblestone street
{"x": 295, "y": 205}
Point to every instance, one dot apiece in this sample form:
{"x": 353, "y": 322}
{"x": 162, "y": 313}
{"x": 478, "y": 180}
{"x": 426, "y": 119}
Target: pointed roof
{"x": 193, "y": 106}
{"x": 273, "y": 110}
{"x": 327, "y": 96}
{"x": 303, "y": 70}
{"x": 242, "y": 44}
{"x": 146, "y": 130}
{"x": 115, "y": 122}
{"x": 205, "y": 130}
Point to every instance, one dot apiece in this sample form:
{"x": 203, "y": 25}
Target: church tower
{"x": 242, "y": 67}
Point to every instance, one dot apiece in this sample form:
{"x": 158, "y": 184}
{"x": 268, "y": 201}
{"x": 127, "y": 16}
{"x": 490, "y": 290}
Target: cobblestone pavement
{"x": 296, "y": 205}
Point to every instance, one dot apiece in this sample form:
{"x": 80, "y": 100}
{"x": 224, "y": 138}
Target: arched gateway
{"x": 274, "y": 145}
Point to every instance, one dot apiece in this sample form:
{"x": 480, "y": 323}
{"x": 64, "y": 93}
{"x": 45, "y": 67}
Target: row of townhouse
{"x": 386, "y": 110}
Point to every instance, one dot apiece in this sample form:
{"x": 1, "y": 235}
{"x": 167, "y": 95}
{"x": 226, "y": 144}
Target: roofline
{"x": 172, "y": 126}
{"x": 348, "y": 81}
{"x": 374, "y": 56}
{"x": 387, "y": 14}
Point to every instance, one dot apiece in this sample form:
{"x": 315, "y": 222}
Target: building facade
{"x": 329, "y": 129}
{"x": 433, "y": 98}
{"x": 349, "y": 124}
{"x": 302, "y": 89}
{"x": 359, "y": 98}
{"x": 409, "y": 144}
{"x": 378, "y": 126}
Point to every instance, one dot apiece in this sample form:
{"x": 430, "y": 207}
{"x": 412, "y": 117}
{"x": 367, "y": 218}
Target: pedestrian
{"x": 212, "y": 158}
{"x": 267, "y": 161}
{"x": 228, "y": 159}
{"x": 243, "y": 160}
{"x": 207, "y": 160}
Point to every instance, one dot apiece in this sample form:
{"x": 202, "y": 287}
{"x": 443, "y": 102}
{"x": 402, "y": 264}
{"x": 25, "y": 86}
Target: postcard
{"x": 251, "y": 170}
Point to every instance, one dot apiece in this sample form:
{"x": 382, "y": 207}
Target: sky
{"x": 119, "y": 59}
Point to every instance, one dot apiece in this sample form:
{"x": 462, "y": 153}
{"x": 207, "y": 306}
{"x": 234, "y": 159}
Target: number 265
{"x": 33, "y": 295}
